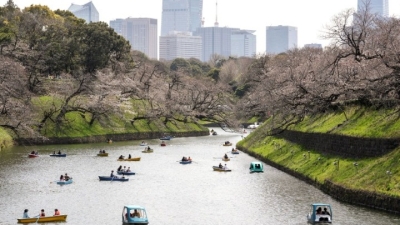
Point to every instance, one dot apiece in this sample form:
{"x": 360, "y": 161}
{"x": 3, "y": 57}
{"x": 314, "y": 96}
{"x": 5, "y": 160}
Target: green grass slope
{"x": 380, "y": 175}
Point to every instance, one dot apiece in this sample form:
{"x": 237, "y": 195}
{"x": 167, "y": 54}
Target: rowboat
{"x": 256, "y": 167}
{"x": 163, "y": 144}
{"x": 115, "y": 178}
{"x": 227, "y": 144}
{"x": 43, "y": 219}
{"x": 33, "y": 155}
{"x": 148, "y": 151}
{"x": 226, "y": 159}
{"x": 131, "y": 159}
{"x": 58, "y": 155}
{"x": 166, "y": 138}
{"x": 102, "y": 154}
{"x": 216, "y": 168}
{"x": 134, "y": 214}
{"x": 125, "y": 173}
{"x": 320, "y": 213}
{"x": 65, "y": 182}
{"x": 235, "y": 151}
{"x": 143, "y": 144}
{"x": 185, "y": 162}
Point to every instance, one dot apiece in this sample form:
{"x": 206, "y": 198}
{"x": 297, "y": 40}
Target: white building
{"x": 313, "y": 45}
{"x": 87, "y": 12}
{"x": 180, "y": 45}
{"x": 280, "y": 39}
{"x": 243, "y": 43}
{"x": 140, "y": 32}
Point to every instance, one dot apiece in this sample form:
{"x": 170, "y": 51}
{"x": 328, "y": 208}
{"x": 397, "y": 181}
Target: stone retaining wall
{"x": 104, "y": 138}
{"x": 352, "y": 147}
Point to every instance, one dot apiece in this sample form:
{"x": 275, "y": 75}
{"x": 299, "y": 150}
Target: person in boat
{"x": 119, "y": 168}
{"x": 184, "y": 159}
{"x": 128, "y": 170}
{"x": 325, "y": 212}
{"x": 56, "y": 212}
{"x": 66, "y": 177}
{"x": 54, "y": 152}
{"x": 100, "y": 151}
{"x": 59, "y": 152}
{"x": 33, "y": 153}
{"x": 220, "y": 165}
{"x": 124, "y": 170}
{"x": 25, "y": 215}
{"x": 226, "y": 156}
{"x": 129, "y": 157}
{"x": 121, "y": 157}
{"x": 189, "y": 159}
{"x": 148, "y": 148}
{"x": 36, "y": 153}
{"x": 62, "y": 178}
{"x": 319, "y": 211}
{"x": 135, "y": 214}
{"x": 42, "y": 214}
{"x": 225, "y": 167}
{"x": 104, "y": 151}
{"x": 112, "y": 173}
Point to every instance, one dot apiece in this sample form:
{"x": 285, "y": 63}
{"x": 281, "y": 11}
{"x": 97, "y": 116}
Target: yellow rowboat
{"x": 131, "y": 159}
{"x": 43, "y": 219}
{"x": 225, "y": 159}
{"x": 102, "y": 154}
{"x": 227, "y": 144}
{"x": 148, "y": 151}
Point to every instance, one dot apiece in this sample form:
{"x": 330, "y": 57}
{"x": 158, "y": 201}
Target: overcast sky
{"x": 309, "y": 16}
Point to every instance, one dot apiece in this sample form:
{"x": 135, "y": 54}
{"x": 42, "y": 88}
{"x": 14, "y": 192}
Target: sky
{"x": 309, "y": 16}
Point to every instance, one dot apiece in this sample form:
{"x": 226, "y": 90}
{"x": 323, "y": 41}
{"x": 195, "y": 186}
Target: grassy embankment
{"x": 119, "y": 123}
{"x": 371, "y": 174}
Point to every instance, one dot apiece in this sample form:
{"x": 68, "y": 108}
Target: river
{"x": 172, "y": 193}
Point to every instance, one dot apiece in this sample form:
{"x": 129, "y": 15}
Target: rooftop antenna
{"x": 216, "y": 14}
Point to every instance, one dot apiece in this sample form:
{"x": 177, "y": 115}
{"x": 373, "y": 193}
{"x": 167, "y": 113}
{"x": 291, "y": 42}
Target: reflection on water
{"x": 171, "y": 192}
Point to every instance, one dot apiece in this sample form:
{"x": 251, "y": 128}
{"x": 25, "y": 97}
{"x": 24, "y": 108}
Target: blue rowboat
{"x": 320, "y": 213}
{"x": 58, "y": 155}
{"x": 185, "y": 162}
{"x": 167, "y": 138}
{"x": 108, "y": 178}
{"x": 256, "y": 167}
{"x": 134, "y": 214}
{"x": 235, "y": 152}
{"x": 65, "y": 182}
{"x": 125, "y": 173}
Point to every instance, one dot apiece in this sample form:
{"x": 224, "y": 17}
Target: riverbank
{"x": 107, "y": 138}
{"x": 353, "y": 157}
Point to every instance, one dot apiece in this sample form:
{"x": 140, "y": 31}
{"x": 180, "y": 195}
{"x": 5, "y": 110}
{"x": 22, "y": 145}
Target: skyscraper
{"x": 140, "y": 32}
{"x": 87, "y": 12}
{"x": 180, "y": 45}
{"x": 280, "y": 39}
{"x": 380, "y": 7}
{"x": 181, "y": 15}
{"x": 243, "y": 43}
{"x": 216, "y": 40}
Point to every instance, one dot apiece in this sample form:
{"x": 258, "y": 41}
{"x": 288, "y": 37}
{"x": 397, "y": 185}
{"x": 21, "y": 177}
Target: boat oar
{"x": 38, "y": 219}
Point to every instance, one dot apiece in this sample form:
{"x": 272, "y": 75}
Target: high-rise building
{"x": 243, "y": 43}
{"x": 379, "y": 7}
{"x": 180, "y": 45}
{"x": 280, "y": 39}
{"x": 313, "y": 45}
{"x": 181, "y": 15}
{"x": 140, "y": 32}
{"x": 87, "y": 12}
{"x": 216, "y": 40}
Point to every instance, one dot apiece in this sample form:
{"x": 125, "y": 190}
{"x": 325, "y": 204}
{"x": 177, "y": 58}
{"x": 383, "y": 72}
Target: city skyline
{"x": 309, "y": 16}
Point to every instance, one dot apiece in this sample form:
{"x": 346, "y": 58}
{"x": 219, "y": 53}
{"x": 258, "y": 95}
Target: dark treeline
{"x": 90, "y": 69}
